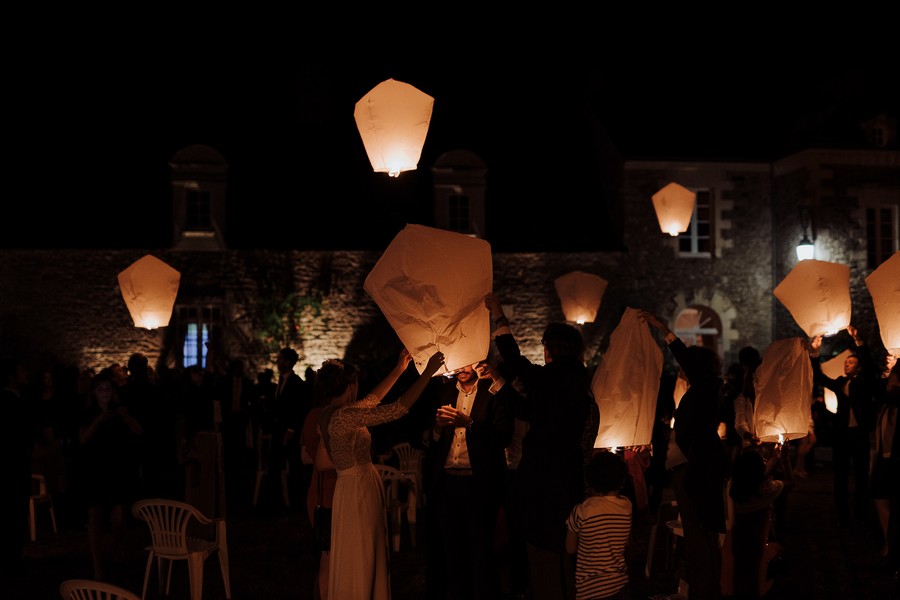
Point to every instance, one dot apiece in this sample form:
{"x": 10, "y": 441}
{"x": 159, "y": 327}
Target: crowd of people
{"x": 508, "y": 454}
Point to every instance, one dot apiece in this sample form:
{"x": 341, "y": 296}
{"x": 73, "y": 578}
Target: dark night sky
{"x": 103, "y": 116}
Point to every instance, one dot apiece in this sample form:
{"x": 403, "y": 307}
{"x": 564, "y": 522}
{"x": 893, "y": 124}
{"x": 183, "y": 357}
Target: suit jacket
{"x": 486, "y": 439}
{"x": 291, "y": 406}
{"x": 861, "y": 396}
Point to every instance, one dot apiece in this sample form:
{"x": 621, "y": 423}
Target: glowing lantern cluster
{"x": 580, "y": 294}
{"x": 149, "y": 287}
{"x": 674, "y": 207}
{"x": 393, "y": 120}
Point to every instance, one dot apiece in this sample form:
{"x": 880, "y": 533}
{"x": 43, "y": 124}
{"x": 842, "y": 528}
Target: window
{"x": 198, "y": 324}
{"x": 698, "y": 240}
{"x": 458, "y": 219}
{"x": 199, "y": 215}
{"x": 881, "y": 234}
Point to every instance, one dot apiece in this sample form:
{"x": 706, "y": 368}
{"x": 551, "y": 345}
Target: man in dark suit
{"x": 853, "y": 423}
{"x": 465, "y": 472}
{"x": 291, "y": 405}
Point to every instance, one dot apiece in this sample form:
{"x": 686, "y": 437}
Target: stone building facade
{"x": 714, "y": 284}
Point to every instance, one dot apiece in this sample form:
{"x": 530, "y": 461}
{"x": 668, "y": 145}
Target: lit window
{"x": 881, "y": 234}
{"x": 458, "y": 219}
{"x": 698, "y": 240}
{"x": 198, "y": 324}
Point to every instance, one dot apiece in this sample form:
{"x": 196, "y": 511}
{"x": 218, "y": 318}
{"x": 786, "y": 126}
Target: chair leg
{"x": 195, "y": 573}
{"x": 223, "y": 557}
{"x": 147, "y": 576}
{"x": 32, "y": 527}
{"x": 53, "y": 517}
{"x": 651, "y": 546}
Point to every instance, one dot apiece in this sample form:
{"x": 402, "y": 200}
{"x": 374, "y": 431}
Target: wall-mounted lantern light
{"x": 393, "y": 121}
{"x": 806, "y": 249}
{"x": 674, "y": 207}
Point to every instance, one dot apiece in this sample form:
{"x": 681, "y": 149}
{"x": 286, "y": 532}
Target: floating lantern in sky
{"x": 884, "y": 287}
{"x": 674, "y": 207}
{"x": 430, "y": 284}
{"x": 783, "y": 385}
{"x": 393, "y": 121}
{"x": 834, "y": 368}
{"x": 580, "y": 294}
{"x": 149, "y": 287}
{"x": 817, "y": 294}
{"x": 626, "y": 385}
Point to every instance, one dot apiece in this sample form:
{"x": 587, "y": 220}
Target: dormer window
{"x": 198, "y": 209}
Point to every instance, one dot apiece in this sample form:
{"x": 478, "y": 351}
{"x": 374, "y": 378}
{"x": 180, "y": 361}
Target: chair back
{"x": 89, "y": 589}
{"x": 168, "y": 521}
{"x": 409, "y": 458}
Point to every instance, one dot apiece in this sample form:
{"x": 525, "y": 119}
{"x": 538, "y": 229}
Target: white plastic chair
{"x": 409, "y": 460}
{"x": 169, "y": 521}
{"x": 39, "y": 495}
{"x": 395, "y": 505}
{"x": 88, "y": 589}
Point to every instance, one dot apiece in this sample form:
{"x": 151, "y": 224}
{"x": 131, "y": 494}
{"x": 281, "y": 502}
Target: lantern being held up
{"x": 674, "y": 207}
{"x": 149, "y": 287}
{"x": 580, "y": 294}
{"x": 817, "y": 294}
{"x": 783, "y": 383}
{"x": 430, "y": 284}
{"x": 626, "y": 385}
{"x": 884, "y": 287}
{"x": 393, "y": 121}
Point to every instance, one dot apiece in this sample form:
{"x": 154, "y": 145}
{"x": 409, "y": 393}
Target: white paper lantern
{"x": 884, "y": 287}
{"x": 817, "y": 294}
{"x": 674, "y": 207}
{"x": 580, "y": 294}
{"x": 393, "y": 121}
{"x": 149, "y": 287}
{"x": 626, "y": 384}
{"x": 783, "y": 383}
{"x": 430, "y": 284}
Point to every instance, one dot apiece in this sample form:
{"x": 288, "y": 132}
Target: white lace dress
{"x": 360, "y": 550}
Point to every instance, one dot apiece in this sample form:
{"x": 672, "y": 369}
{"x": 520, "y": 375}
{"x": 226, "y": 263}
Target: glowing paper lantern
{"x": 834, "y": 368}
{"x": 393, "y": 121}
{"x": 884, "y": 287}
{"x": 149, "y": 287}
{"x": 674, "y": 207}
{"x": 783, "y": 385}
{"x": 430, "y": 284}
{"x": 580, "y": 294}
{"x": 626, "y": 385}
{"x": 817, "y": 294}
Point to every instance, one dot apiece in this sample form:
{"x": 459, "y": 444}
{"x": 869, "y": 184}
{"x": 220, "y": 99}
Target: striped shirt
{"x": 603, "y": 525}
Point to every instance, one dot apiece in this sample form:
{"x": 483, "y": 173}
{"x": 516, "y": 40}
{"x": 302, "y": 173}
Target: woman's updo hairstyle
{"x": 333, "y": 378}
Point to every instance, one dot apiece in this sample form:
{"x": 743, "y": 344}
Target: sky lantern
{"x": 430, "y": 284}
{"x": 580, "y": 294}
{"x": 674, "y": 207}
{"x": 884, "y": 287}
{"x": 817, "y": 294}
{"x": 626, "y": 384}
{"x": 784, "y": 384}
{"x": 393, "y": 121}
{"x": 834, "y": 368}
{"x": 149, "y": 287}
